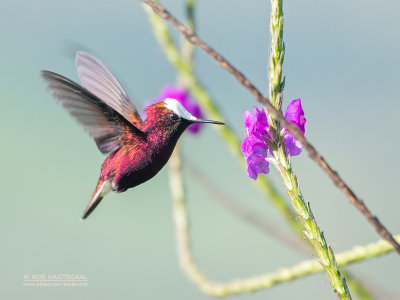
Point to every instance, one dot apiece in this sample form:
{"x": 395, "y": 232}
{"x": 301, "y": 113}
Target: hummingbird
{"x": 137, "y": 149}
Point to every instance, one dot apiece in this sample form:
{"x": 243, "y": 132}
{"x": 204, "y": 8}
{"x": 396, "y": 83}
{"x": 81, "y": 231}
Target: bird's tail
{"x": 102, "y": 188}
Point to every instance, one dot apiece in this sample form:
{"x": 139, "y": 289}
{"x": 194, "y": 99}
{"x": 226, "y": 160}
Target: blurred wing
{"x": 103, "y": 123}
{"x": 97, "y": 79}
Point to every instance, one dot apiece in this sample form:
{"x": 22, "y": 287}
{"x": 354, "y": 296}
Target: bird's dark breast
{"x": 149, "y": 163}
{"x": 142, "y": 162}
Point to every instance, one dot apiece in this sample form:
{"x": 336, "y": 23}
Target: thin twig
{"x": 188, "y": 78}
{"x": 313, "y": 153}
{"x": 239, "y": 286}
{"x": 282, "y": 160}
{"x": 257, "y": 220}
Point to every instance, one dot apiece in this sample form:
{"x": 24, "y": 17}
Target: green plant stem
{"x": 187, "y": 47}
{"x": 282, "y": 161}
{"x": 313, "y": 233}
{"x": 255, "y": 283}
{"x": 187, "y": 77}
{"x": 313, "y": 153}
{"x": 197, "y": 91}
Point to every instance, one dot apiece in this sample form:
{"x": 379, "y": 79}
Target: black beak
{"x": 207, "y": 121}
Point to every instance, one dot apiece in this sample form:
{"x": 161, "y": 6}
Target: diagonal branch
{"x": 187, "y": 77}
{"x": 313, "y": 153}
{"x": 252, "y": 284}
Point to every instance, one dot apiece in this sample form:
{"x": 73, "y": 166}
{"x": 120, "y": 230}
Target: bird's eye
{"x": 174, "y": 117}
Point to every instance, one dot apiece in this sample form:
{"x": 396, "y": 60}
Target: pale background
{"x": 342, "y": 59}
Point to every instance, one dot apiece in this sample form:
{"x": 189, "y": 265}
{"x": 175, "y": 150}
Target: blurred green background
{"x": 342, "y": 59}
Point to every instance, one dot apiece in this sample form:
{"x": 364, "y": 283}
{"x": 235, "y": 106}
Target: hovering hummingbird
{"x": 137, "y": 149}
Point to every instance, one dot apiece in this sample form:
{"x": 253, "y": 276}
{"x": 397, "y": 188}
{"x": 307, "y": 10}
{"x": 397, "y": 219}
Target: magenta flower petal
{"x": 182, "y": 95}
{"x": 254, "y": 147}
{"x": 293, "y": 147}
{"x": 251, "y": 145}
{"x": 295, "y": 114}
{"x": 174, "y": 92}
{"x": 261, "y": 117}
{"x": 256, "y": 164}
{"x": 250, "y": 121}
{"x": 256, "y": 123}
{"x": 262, "y": 121}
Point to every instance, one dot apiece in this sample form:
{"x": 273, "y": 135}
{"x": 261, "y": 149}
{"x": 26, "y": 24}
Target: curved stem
{"x": 283, "y": 165}
{"x": 218, "y": 289}
{"x": 186, "y": 74}
{"x": 212, "y": 111}
{"x": 313, "y": 153}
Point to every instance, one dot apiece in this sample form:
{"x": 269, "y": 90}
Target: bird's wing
{"x": 106, "y": 125}
{"x": 97, "y": 79}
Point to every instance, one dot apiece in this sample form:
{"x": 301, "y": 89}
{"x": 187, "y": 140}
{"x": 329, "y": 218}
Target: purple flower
{"x": 252, "y": 144}
{"x": 295, "y": 114}
{"x": 256, "y": 164}
{"x": 182, "y": 95}
{"x": 254, "y": 147}
{"x": 292, "y": 146}
{"x": 257, "y": 124}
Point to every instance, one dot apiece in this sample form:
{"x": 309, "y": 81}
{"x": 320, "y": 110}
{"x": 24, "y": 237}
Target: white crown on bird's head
{"x": 177, "y": 108}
